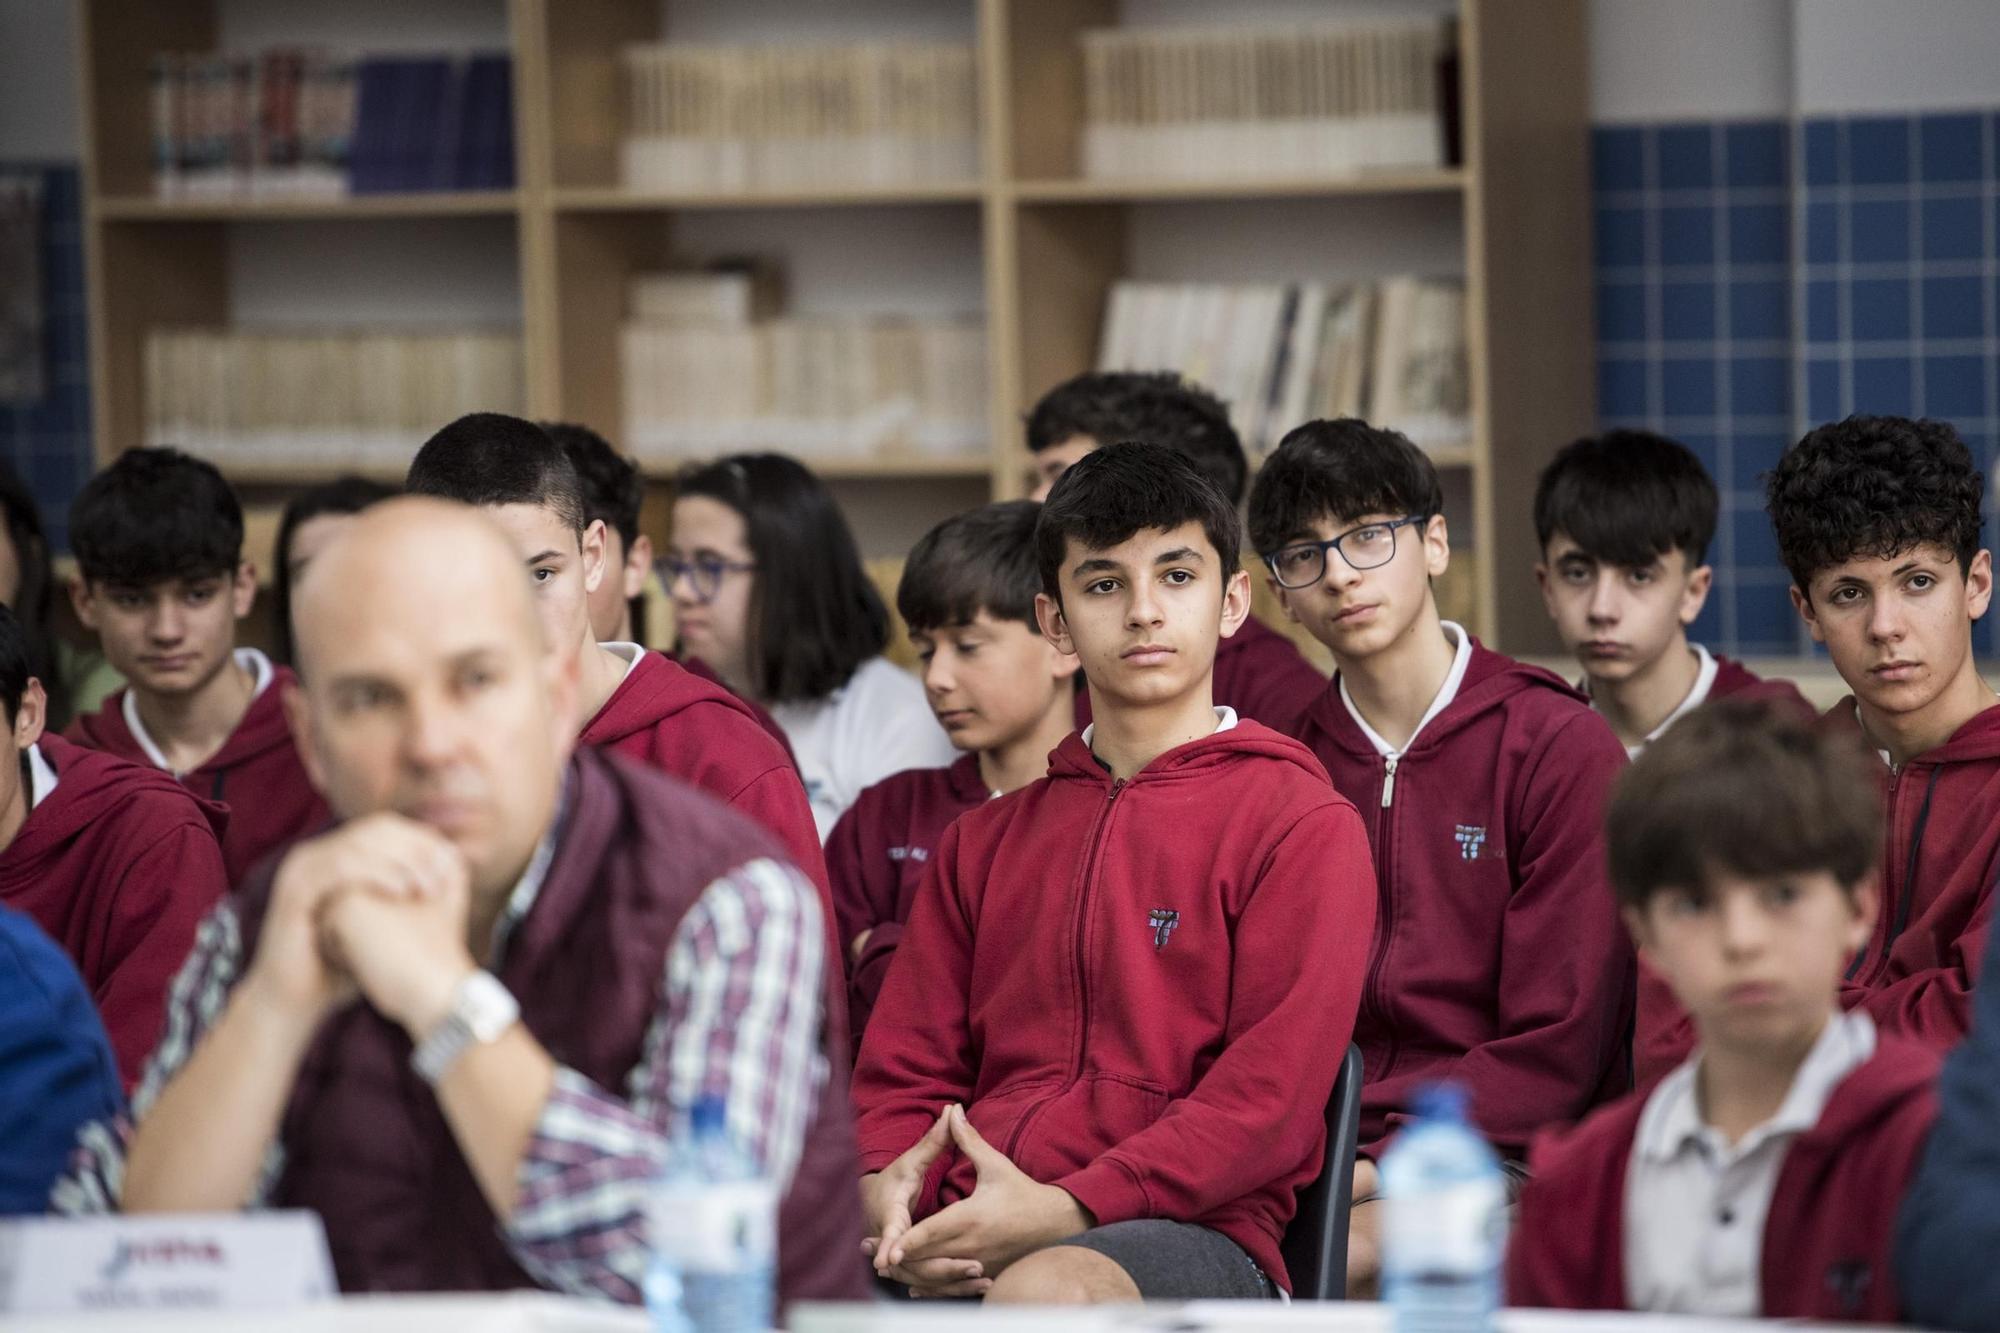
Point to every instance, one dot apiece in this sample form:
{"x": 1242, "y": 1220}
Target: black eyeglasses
{"x": 703, "y": 573}
{"x": 1369, "y": 546}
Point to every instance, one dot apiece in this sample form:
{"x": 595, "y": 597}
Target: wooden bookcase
{"x": 1050, "y": 244}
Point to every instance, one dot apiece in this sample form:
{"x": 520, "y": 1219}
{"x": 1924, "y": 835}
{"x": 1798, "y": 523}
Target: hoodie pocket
{"x": 1070, "y": 1126}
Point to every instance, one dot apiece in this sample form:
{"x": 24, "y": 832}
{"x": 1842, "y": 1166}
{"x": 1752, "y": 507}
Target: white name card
{"x": 163, "y": 1261}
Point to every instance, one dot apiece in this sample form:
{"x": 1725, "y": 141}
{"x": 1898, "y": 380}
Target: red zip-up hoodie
{"x": 1939, "y": 860}
{"x": 1828, "y": 1240}
{"x": 1499, "y": 957}
{"x": 1140, "y": 990}
{"x": 257, "y": 773}
{"x": 694, "y": 666}
{"x": 877, "y": 855}
{"x": 118, "y": 864}
{"x": 1734, "y": 680}
{"x": 1258, "y": 672}
{"x": 666, "y": 716}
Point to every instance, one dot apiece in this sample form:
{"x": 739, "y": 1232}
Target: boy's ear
{"x": 1979, "y": 585}
{"x": 243, "y": 589}
{"x": 1867, "y": 896}
{"x": 298, "y": 715}
{"x": 638, "y": 563}
{"x": 1062, "y": 666}
{"x": 1641, "y": 930}
{"x": 32, "y": 716}
{"x": 84, "y": 602}
{"x": 591, "y": 545}
{"x": 1235, "y": 602}
{"x": 1695, "y": 595}
{"x": 1802, "y": 603}
{"x": 1055, "y": 628}
{"x": 1437, "y": 546}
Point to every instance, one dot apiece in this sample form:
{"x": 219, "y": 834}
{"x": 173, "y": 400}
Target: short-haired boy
{"x": 117, "y": 862}
{"x": 1498, "y": 959}
{"x": 1258, "y": 671}
{"x": 1762, "y": 1177}
{"x": 161, "y": 578}
{"x": 1124, "y": 989}
{"x": 639, "y": 704}
{"x": 1878, "y": 522}
{"x": 1624, "y": 521}
{"x": 1000, "y": 690}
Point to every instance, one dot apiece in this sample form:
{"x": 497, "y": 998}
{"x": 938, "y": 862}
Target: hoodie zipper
{"x": 1896, "y": 915}
{"x": 1389, "y": 779}
{"x": 1373, "y": 1000}
{"x": 1092, "y": 863}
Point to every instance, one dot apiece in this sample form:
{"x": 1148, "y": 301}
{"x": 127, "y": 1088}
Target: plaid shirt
{"x": 738, "y": 1015}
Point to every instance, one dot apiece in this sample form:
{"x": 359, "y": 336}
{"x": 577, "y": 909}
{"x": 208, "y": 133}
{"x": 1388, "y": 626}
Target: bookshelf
{"x": 1029, "y": 242}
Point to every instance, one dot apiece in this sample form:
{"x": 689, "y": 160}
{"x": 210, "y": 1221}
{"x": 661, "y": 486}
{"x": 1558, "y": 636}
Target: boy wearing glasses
{"x": 1498, "y": 959}
{"x": 641, "y": 705}
{"x": 1624, "y": 521}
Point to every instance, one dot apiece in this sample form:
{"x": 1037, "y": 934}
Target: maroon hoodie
{"x": 664, "y": 715}
{"x": 1830, "y": 1234}
{"x": 1734, "y": 680}
{"x": 876, "y": 857}
{"x": 119, "y": 864}
{"x": 1939, "y": 859}
{"x": 694, "y": 666}
{"x": 257, "y": 773}
{"x": 1140, "y": 990}
{"x": 1499, "y": 958}
{"x": 1258, "y": 672}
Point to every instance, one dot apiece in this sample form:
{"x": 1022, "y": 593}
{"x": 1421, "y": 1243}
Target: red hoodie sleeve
{"x": 1564, "y": 1002}
{"x": 1933, "y": 1006}
{"x": 864, "y": 883}
{"x": 149, "y": 929}
{"x": 912, "y": 1068}
{"x": 1301, "y": 954}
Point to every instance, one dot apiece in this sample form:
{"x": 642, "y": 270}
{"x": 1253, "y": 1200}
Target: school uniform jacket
{"x": 694, "y": 666}
{"x": 118, "y": 864}
{"x": 1734, "y": 680}
{"x": 1258, "y": 672}
{"x": 876, "y": 858}
{"x": 257, "y": 773}
{"x": 1140, "y": 990}
{"x": 1828, "y": 1238}
{"x": 664, "y": 715}
{"x": 1499, "y": 958}
{"x": 1916, "y": 976}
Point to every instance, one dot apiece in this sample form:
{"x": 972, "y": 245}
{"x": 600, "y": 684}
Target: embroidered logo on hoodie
{"x": 1470, "y": 839}
{"x": 1163, "y": 920}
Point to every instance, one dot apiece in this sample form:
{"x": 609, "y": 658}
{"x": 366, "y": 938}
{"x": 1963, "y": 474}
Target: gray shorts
{"x": 1179, "y": 1261}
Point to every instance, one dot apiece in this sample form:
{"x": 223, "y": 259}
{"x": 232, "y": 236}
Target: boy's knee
{"x": 1063, "y": 1275}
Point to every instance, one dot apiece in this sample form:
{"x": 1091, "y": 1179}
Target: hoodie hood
{"x": 91, "y": 784}
{"x": 653, "y": 691}
{"x": 1073, "y": 761}
{"x": 261, "y": 730}
{"x": 1977, "y": 738}
{"x": 1492, "y": 680}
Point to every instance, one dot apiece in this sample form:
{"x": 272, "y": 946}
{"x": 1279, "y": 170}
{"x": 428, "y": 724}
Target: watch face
{"x": 486, "y": 1006}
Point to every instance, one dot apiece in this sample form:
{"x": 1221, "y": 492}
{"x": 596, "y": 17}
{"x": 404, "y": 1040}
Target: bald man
{"x": 460, "y": 1025}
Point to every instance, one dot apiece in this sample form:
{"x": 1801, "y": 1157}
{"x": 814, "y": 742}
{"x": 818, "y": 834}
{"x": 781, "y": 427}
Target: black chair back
{"x": 1315, "y": 1247}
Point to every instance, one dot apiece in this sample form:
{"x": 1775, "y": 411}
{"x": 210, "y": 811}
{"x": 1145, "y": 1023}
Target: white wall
{"x": 1897, "y": 55}
{"x": 1653, "y": 60}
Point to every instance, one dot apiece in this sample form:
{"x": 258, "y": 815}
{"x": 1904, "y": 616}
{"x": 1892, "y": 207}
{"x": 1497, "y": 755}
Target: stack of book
{"x": 290, "y": 123}
{"x": 1309, "y": 100}
{"x": 321, "y": 401}
{"x": 757, "y": 118}
{"x": 1392, "y": 352}
{"x": 710, "y": 367}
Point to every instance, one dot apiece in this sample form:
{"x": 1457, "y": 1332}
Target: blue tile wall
{"x": 48, "y": 442}
{"x": 1755, "y": 278}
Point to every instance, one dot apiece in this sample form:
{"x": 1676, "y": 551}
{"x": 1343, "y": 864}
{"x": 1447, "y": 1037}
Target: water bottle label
{"x": 722, "y": 1228}
{"x": 1458, "y": 1229}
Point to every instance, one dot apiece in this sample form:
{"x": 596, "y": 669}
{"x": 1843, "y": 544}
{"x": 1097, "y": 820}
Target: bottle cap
{"x": 1441, "y": 1101}
{"x": 710, "y": 1117}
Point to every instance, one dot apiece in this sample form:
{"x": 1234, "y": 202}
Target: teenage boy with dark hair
{"x": 1762, "y": 1177}
{"x": 1624, "y": 521}
{"x": 1001, "y": 691}
{"x": 1121, "y": 977}
{"x": 1498, "y": 959}
{"x": 1258, "y": 671}
{"x": 158, "y": 539}
{"x": 116, "y": 861}
{"x": 641, "y": 705}
{"x": 1878, "y": 521}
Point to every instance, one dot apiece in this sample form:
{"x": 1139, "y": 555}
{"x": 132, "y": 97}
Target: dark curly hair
{"x": 1158, "y": 407}
{"x": 1871, "y": 487}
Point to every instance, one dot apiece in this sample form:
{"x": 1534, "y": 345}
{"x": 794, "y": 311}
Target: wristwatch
{"x": 481, "y": 1010}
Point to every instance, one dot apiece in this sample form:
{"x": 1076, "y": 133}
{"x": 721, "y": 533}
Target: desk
{"x": 1233, "y": 1317}
{"x": 517, "y": 1312}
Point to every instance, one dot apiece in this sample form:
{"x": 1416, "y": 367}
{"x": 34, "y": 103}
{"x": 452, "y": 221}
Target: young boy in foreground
{"x": 1124, "y": 990}
{"x": 162, "y": 580}
{"x": 1624, "y": 521}
{"x": 1878, "y": 521}
{"x": 1498, "y": 959}
{"x": 1258, "y": 671}
{"x": 1001, "y": 691}
{"x": 1762, "y": 1177}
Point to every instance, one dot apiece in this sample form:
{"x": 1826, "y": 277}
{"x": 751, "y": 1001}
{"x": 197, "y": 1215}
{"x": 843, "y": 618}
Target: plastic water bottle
{"x": 1444, "y": 1227}
{"x": 713, "y": 1220}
